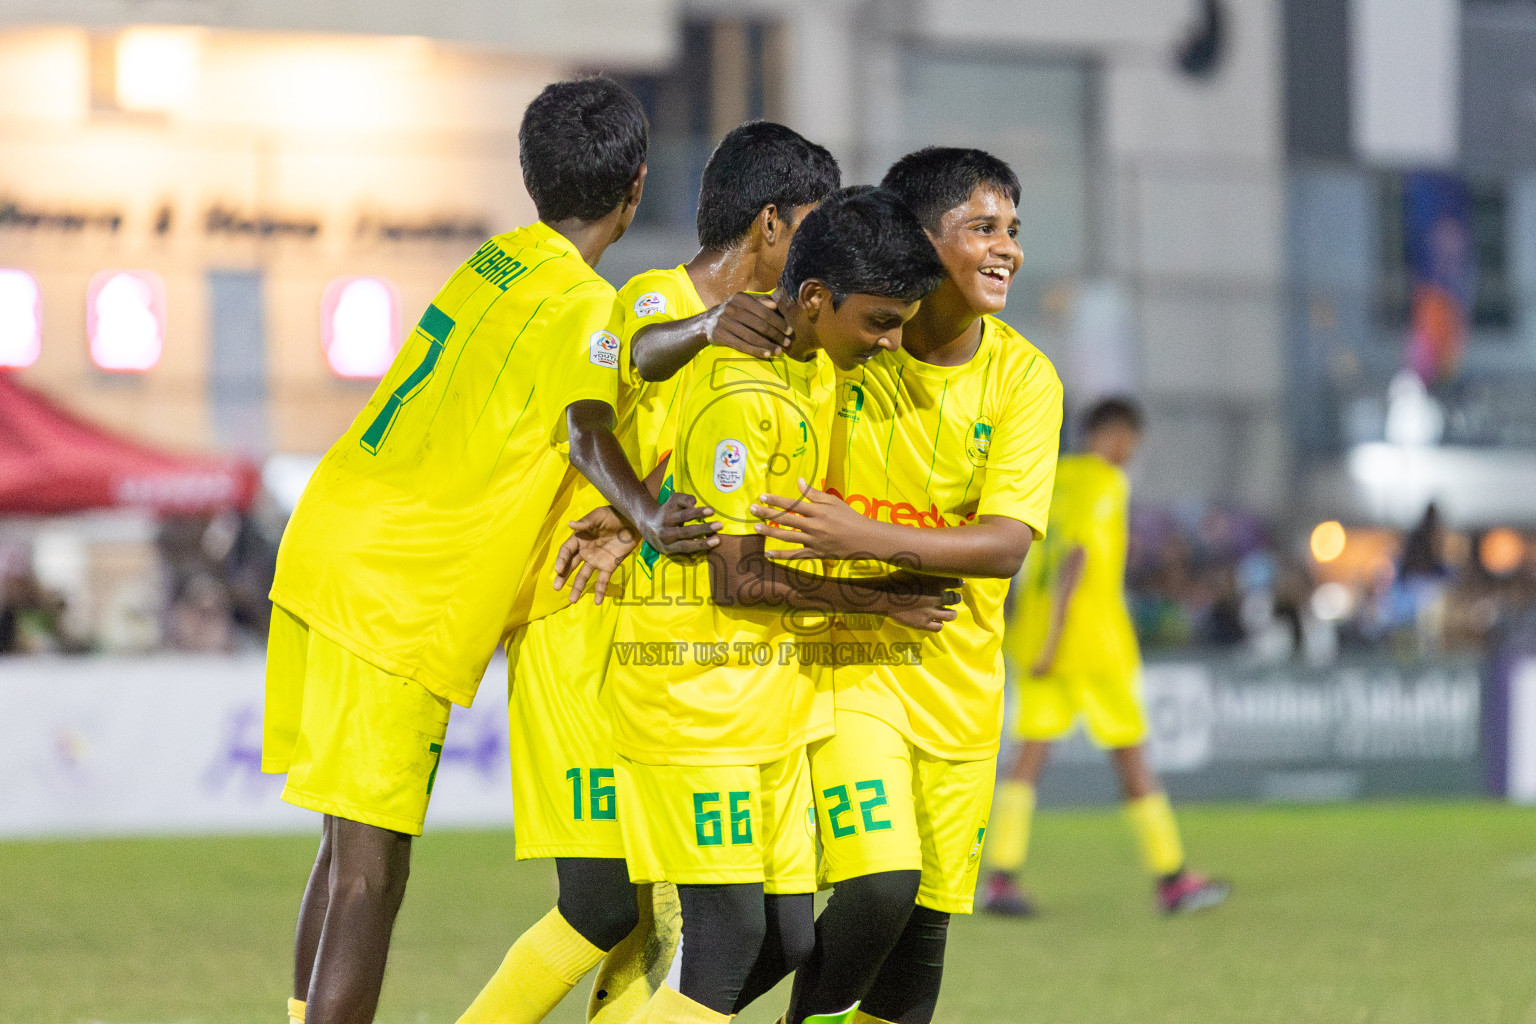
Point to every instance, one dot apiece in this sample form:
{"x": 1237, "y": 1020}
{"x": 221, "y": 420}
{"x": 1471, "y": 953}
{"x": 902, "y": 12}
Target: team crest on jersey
{"x": 981, "y": 834}
{"x": 605, "y": 349}
{"x": 730, "y": 465}
{"x": 650, "y": 304}
{"x": 979, "y": 443}
{"x": 853, "y": 400}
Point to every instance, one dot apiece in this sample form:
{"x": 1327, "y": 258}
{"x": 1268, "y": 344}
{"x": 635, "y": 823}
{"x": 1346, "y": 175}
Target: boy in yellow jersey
{"x": 943, "y": 458}
{"x": 760, "y": 182}
{"x": 718, "y": 681}
{"x": 1074, "y": 652}
{"x": 398, "y": 572}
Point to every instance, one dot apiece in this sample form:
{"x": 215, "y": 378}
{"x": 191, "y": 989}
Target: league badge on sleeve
{"x": 730, "y": 465}
{"x": 605, "y": 349}
{"x": 650, "y": 304}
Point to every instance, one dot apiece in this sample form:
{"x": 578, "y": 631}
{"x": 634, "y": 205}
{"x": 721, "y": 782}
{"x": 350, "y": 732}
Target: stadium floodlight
{"x": 1501, "y": 552}
{"x": 360, "y": 326}
{"x": 21, "y": 319}
{"x": 125, "y": 320}
{"x": 1328, "y": 540}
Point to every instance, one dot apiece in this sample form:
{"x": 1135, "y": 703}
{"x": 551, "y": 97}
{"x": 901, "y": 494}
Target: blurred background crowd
{"x": 1200, "y": 578}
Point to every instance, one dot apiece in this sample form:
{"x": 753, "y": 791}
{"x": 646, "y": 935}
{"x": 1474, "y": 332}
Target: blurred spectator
{"x": 31, "y": 615}
{"x": 1407, "y": 612}
{"x": 1424, "y": 548}
{"x": 227, "y": 554}
{"x": 199, "y": 619}
{"x": 1197, "y": 576}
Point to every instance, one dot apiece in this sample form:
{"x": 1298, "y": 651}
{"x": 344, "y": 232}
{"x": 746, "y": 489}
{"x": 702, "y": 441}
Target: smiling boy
{"x": 943, "y": 458}
{"x": 711, "y": 744}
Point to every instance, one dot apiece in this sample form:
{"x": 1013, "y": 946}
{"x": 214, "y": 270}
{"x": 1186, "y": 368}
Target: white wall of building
{"x": 596, "y": 31}
{"x": 1405, "y": 71}
{"x": 1175, "y": 187}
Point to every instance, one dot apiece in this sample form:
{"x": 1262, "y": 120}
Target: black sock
{"x": 907, "y": 989}
{"x": 863, "y": 920}
{"x": 723, "y": 931}
{"x": 791, "y": 935}
{"x": 597, "y": 899}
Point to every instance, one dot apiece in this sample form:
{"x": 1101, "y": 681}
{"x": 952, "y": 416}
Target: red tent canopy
{"x": 52, "y": 461}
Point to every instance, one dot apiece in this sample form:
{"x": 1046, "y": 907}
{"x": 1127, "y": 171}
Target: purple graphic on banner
{"x": 239, "y": 757}
{"x": 475, "y": 742}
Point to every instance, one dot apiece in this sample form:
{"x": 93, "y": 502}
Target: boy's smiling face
{"x": 977, "y": 241}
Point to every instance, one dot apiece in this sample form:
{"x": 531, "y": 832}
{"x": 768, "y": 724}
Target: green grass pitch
{"x": 1397, "y": 913}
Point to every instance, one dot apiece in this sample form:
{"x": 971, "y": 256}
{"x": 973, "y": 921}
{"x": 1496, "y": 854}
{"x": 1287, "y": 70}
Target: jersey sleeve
{"x": 1101, "y": 521}
{"x": 728, "y": 451}
{"x": 587, "y": 346}
{"x": 645, "y": 300}
{"x": 1021, "y": 463}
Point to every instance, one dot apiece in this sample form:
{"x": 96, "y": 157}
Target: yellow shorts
{"x": 883, "y": 804}
{"x": 355, "y": 741}
{"x": 1110, "y": 705}
{"x": 563, "y": 798}
{"x": 694, "y": 825}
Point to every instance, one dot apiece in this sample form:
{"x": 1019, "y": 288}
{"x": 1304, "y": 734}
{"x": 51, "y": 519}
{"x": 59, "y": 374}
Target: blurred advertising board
{"x": 153, "y": 745}
{"x": 1224, "y": 730}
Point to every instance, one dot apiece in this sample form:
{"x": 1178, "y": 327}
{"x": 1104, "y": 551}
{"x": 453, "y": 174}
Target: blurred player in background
{"x": 760, "y": 182}
{"x": 399, "y": 570}
{"x": 1074, "y": 653}
{"x": 943, "y": 456}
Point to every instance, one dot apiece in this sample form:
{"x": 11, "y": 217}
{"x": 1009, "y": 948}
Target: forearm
{"x": 986, "y": 550}
{"x": 598, "y": 456}
{"x": 761, "y": 581}
{"x": 741, "y": 575}
{"x": 660, "y": 350}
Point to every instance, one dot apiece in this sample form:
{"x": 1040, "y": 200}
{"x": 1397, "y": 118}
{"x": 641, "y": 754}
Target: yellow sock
{"x": 634, "y": 969}
{"x": 848, "y": 1016}
{"x": 295, "y": 1011}
{"x": 1013, "y": 809}
{"x": 1157, "y": 833}
{"x": 543, "y": 965}
{"x": 669, "y": 1006}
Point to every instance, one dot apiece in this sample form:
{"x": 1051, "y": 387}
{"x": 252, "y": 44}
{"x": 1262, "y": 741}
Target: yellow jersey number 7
{"x": 435, "y": 326}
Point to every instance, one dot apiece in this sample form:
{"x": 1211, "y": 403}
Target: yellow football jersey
{"x": 655, "y": 296}
{"x": 645, "y": 419}
{"x": 1090, "y": 509}
{"x": 412, "y": 537}
{"x": 693, "y": 682}
{"x": 935, "y": 447}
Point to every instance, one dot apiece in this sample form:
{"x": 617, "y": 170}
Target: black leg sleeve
{"x": 791, "y": 934}
{"x": 597, "y": 899}
{"x": 907, "y": 989}
{"x": 863, "y": 920}
{"x": 723, "y": 931}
